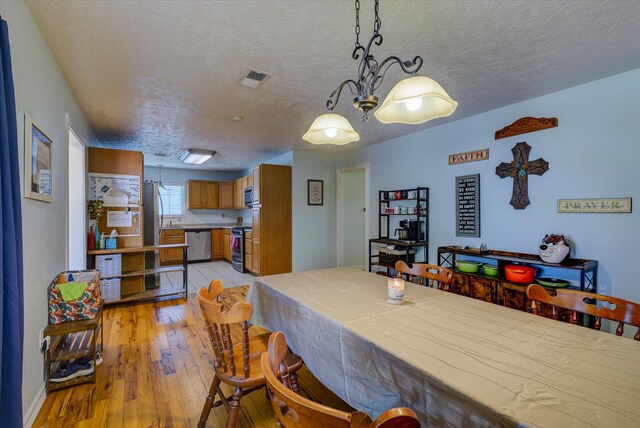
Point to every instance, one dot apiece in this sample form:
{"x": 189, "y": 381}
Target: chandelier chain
{"x": 371, "y": 72}
{"x": 377, "y": 23}
{"x": 357, "y": 23}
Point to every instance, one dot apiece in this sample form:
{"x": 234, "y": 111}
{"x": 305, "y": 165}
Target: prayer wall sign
{"x": 525, "y": 125}
{"x": 595, "y": 205}
{"x": 476, "y": 155}
{"x": 468, "y": 205}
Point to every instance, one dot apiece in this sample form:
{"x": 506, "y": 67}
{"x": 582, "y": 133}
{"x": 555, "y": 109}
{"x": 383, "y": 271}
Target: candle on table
{"x": 395, "y": 288}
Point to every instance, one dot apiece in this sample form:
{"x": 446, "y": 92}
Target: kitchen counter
{"x": 203, "y": 226}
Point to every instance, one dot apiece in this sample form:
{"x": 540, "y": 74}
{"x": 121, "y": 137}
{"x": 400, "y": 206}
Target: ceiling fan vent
{"x": 254, "y": 78}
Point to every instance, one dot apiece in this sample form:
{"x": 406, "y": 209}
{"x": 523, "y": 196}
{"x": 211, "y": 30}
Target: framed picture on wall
{"x": 314, "y": 192}
{"x": 38, "y": 167}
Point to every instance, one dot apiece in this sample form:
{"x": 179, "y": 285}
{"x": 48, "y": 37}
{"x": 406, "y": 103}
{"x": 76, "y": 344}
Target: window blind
{"x": 172, "y": 200}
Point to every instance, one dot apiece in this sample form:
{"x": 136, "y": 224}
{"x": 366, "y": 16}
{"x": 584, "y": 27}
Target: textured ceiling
{"x": 162, "y": 76}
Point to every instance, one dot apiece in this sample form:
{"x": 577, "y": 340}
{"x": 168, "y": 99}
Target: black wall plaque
{"x": 468, "y": 205}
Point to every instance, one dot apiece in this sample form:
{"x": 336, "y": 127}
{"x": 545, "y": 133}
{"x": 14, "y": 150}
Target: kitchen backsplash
{"x": 210, "y": 217}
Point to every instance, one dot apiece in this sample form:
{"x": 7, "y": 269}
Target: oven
{"x": 237, "y": 248}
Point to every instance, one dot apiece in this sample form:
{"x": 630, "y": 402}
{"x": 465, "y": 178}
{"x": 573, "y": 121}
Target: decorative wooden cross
{"x": 519, "y": 170}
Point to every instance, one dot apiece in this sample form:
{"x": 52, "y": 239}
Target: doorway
{"x": 352, "y": 220}
{"x": 76, "y": 202}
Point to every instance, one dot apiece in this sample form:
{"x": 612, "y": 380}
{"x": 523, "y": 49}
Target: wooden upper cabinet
{"x": 195, "y": 195}
{"x": 238, "y": 198}
{"x": 202, "y": 195}
{"x": 250, "y": 180}
{"x": 256, "y": 185}
{"x": 226, "y": 194}
{"x": 211, "y": 195}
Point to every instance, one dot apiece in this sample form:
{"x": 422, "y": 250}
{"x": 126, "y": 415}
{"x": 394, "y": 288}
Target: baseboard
{"x": 30, "y": 417}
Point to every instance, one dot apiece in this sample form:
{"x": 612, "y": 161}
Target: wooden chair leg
{"x": 235, "y": 408}
{"x": 206, "y": 409}
{"x": 294, "y": 382}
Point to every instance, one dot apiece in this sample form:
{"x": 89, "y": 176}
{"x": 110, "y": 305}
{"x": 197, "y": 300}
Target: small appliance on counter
{"x": 413, "y": 230}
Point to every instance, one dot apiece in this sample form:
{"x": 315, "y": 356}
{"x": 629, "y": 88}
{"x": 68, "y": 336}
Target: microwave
{"x": 248, "y": 196}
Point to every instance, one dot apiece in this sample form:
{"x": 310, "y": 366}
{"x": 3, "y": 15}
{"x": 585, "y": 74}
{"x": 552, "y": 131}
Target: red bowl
{"x": 518, "y": 273}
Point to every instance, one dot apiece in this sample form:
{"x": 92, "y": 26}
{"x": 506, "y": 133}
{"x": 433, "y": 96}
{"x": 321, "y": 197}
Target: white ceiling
{"x": 162, "y": 76}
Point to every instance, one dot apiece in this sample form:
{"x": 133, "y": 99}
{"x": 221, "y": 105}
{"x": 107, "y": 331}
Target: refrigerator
{"x": 153, "y": 219}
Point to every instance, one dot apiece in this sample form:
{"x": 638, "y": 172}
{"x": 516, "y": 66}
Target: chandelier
{"x": 414, "y": 100}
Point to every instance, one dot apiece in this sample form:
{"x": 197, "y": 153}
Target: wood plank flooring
{"x": 156, "y": 373}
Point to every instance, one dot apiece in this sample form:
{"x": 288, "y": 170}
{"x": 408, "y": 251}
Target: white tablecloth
{"x": 455, "y": 361}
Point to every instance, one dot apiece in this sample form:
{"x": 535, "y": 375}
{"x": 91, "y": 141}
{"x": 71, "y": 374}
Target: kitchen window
{"x": 172, "y": 200}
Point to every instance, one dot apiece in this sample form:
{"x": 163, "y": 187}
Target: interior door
{"x": 353, "y": 218}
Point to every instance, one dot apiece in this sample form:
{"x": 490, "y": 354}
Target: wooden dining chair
{"x": 237, "y": 352}
{"x": 622, "y": 311}
{"x": 434, "y": 275}
{"x": 295, "y": 411}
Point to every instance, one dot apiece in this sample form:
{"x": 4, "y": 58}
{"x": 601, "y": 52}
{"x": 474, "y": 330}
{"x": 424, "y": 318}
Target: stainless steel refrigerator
{"x": 153, "y": 220}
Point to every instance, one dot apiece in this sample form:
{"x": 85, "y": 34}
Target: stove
{"x": 237, "y": 247}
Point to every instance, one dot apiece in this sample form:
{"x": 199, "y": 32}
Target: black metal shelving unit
{"x": 402, "y": 204}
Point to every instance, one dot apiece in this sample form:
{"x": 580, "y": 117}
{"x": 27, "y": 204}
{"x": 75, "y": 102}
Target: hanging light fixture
{"x": 414, "y": 100}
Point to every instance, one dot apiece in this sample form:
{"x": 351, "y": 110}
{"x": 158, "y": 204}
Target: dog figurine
{"x": 554, "y": 249}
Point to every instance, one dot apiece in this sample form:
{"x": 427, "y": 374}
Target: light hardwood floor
{"x": 156, "y": 373}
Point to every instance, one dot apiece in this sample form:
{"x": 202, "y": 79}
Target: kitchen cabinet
{"x": 248, "y": 249}
{"x": 255, "y": 240}
{"x": 171, "y": 256}
{"x": 250, "y": 180}
{"x": 271, "y": 220}
{"x": 226, "y": 194}
{"x": 217, "y": 242}
{"x": 226, "y": 245}
{"x": 256, "y": 184}
{"x": 195, "y": 195}
{"x": 211, "y": 190}
{"x": 202, "y": 195}
{"x": 497, "y": 290}
{"x": 240, "y": 185}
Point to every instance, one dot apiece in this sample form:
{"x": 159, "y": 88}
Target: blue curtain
{"x": 11, "y": 294}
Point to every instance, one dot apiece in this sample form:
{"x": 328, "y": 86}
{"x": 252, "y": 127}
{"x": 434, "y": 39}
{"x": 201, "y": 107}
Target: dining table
{"x": 454, "y": 360}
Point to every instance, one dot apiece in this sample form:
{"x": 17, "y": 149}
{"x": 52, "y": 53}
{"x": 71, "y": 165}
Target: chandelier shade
{"x": 331, "y": 128}
{"x": 415, "y": 100}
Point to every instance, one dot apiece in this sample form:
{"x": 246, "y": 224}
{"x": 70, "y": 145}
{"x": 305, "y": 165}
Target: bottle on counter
{"x": 102, "y": 240}
{"x": 91, "y": 240}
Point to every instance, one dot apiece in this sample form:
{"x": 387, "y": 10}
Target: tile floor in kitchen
{"x": 201, "y": 274}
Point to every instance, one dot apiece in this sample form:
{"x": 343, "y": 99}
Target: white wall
{"x": 594, "y": 152}
{"x": 180, "y": 176}
{"x": 42, "y": 92}
{"x": 314, "y": 227}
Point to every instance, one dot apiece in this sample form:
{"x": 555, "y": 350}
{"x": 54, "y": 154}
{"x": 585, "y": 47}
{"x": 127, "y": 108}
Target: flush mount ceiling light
{"x": 414, "y": 100}
{"x": 196, "y": 156}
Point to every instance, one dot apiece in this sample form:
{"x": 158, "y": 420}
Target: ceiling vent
{"x": 254, "y": 78}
